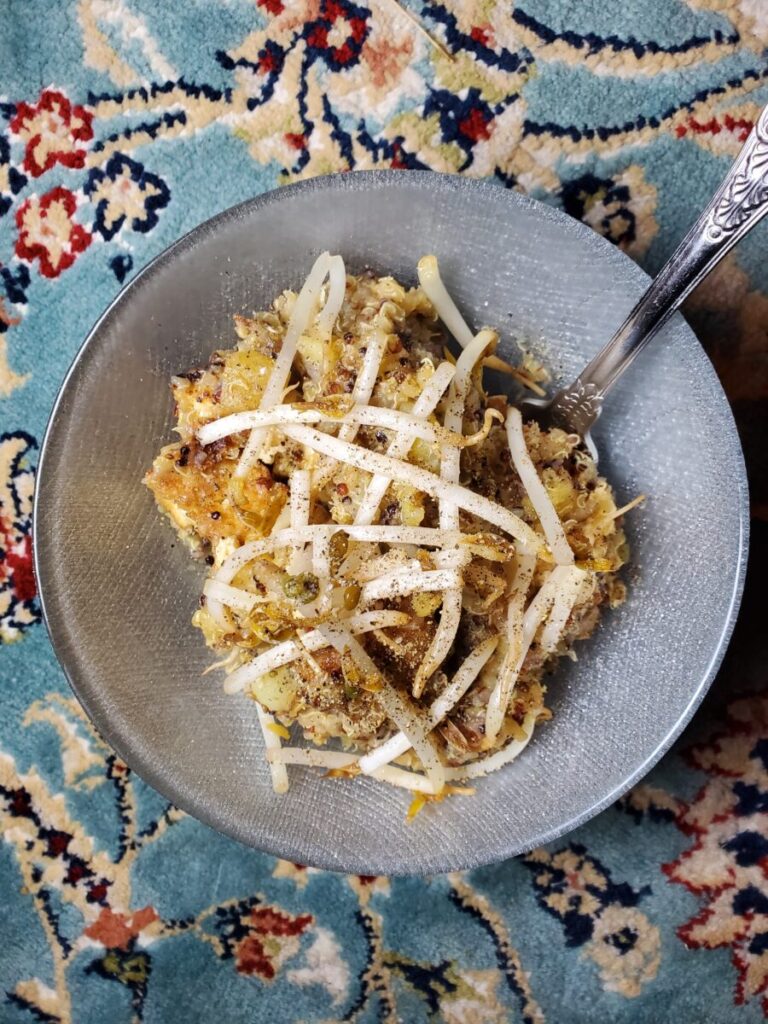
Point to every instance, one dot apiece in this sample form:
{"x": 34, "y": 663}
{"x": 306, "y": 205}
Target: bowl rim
{"x": 56, "y": 629}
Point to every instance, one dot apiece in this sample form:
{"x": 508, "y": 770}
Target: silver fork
{"x": 739, "y": 203}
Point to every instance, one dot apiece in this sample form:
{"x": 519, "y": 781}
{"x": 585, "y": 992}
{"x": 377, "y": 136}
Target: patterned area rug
{"x": 123, "y": 123}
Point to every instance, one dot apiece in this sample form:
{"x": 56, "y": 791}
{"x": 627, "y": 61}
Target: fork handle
{"x": 739, "y": 203}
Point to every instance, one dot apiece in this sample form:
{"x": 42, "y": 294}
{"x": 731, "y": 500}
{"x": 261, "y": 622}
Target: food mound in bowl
{"x": 395, "y": 559}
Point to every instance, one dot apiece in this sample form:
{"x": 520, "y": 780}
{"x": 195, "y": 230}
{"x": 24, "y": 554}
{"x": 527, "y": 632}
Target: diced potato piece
{"x": 276, "y": 690}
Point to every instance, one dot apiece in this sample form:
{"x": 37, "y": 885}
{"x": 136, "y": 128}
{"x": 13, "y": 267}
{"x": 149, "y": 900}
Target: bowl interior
{"x": 119, "y": 590}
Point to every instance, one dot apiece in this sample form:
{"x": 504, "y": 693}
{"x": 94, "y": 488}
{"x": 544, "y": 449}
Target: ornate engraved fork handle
{"x": 735, "y": 208}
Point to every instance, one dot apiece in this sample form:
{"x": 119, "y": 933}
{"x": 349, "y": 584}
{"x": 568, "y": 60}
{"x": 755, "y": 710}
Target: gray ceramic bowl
{"x": 118, "y": 592}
